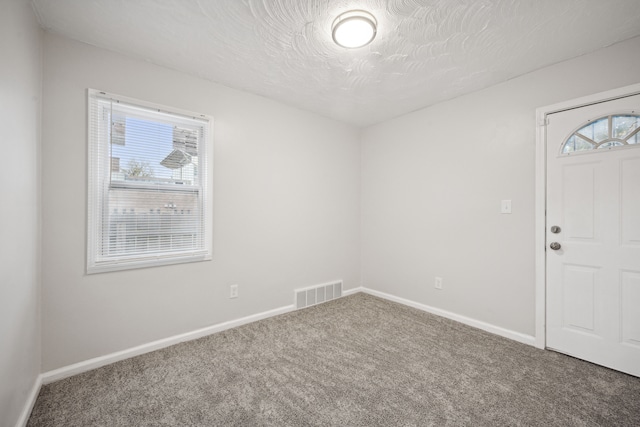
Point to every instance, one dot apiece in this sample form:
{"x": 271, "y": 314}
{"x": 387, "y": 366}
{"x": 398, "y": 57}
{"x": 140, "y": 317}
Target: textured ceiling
{"x": 426, "y": 51}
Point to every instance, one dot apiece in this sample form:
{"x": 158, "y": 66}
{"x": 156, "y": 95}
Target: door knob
{"x": 555, "y": 246}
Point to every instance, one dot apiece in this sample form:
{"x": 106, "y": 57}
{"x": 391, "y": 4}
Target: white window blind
{"x": 149, "y": 199}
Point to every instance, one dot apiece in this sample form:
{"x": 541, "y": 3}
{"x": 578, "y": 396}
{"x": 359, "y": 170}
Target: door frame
{"x": 541, "y": 195}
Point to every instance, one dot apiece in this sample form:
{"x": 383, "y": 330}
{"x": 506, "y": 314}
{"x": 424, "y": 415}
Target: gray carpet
{"x": 356, "y": 361}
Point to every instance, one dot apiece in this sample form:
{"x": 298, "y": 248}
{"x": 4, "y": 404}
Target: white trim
{"x": 30, "y": 403}
{"x": 596, "y": 98}
{"x": 98, "y": 186}
{"x": 352, "y": 291}
{"x": 145, "y": 262}
{"x": 541, "y": 193}
{"x": 497, "y": 330}
{"x": 136, "y": 103}
{"x": 97, "y": 362}
{"x": 540, "y": 229}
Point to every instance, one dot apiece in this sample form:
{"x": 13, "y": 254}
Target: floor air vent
{"x": 318, "y": 294}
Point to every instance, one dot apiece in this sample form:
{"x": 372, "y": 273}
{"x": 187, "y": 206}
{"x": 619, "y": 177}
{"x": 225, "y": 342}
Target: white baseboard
{"x": 497, "y": 330}
{"x": 30, "y": 403}
{"x": 97, "y": 362}
{"x": 87, "y": 365}
{"x": 352, "y": 291}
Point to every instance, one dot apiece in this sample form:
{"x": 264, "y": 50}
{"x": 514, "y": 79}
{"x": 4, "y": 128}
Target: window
{"x": 605, "y": 132}
{"x": 149, "y": 196}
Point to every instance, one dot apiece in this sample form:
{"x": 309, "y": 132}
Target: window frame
{"x": 98, "y": 186}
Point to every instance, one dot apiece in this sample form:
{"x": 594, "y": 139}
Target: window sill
{"x": 131, "y": 264}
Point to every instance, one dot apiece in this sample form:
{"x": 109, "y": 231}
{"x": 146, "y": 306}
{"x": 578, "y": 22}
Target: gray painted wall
{"x": 432, "y": 182}
{"x": 20, "y": 92}
{"x": 286, "y": 209}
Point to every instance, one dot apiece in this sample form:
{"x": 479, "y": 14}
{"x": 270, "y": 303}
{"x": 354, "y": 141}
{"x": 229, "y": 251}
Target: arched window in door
{"x": 616, "y": 130}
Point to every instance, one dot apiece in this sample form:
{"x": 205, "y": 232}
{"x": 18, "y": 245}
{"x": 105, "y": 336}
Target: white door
{"x": 593, "y": 257}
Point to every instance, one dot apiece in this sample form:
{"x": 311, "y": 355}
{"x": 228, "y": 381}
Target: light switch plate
{"x": 505, "y": 207}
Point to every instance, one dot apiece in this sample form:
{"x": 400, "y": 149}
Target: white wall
{"x": 286, "y": 209}
{"x": 432, "y": 182}
{"x": 20, "y": 92}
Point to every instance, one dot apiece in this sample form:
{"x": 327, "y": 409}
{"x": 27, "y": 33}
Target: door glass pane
{"x": 624, "y": 125}
{"x": 611, "y": 144}
{"x": 575, "y": 143}
{"x": 597, "y": 131}
{"x": 624, "y": 129}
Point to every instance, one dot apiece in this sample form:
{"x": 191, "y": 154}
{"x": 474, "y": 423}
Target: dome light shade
{"x": 353, "y": 29}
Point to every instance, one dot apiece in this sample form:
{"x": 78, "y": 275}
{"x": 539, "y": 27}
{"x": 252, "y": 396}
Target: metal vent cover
{"x": 318, "y": 294}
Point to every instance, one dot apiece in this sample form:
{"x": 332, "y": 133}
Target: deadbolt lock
{"x": 555, "y": 229}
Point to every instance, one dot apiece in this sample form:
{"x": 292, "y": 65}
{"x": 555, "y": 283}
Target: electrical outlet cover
{"x": 233, "y": 291}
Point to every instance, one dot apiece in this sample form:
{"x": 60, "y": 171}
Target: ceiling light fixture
{"x": 355, "y": 28}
